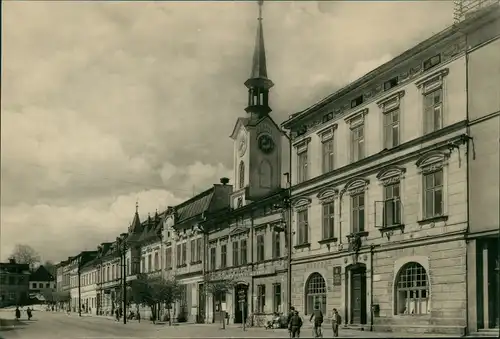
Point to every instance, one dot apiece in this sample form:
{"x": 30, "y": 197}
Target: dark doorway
{"x": 201, "y": 304}
{"x": 240, "y": 308}
{"x": 358, "y": 295}
{"x": 493, "y": 283}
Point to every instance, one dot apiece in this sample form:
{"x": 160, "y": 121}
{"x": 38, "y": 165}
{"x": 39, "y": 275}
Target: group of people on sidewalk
{"x": 295, "y": 322}
{"x": 28, "y": 313}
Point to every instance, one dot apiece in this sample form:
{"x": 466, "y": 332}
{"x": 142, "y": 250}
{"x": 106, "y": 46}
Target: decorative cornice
{"x": 431, "y": 158}
{"x": 355, "y": 186}
{"x": 300, "y": 201}
{"x": 342, "y": 98}
{"x": 328, "y": 129}
{"x": 302, "y": 141}
{"x": 391, "y": 174}
{"x": 398, "y": 95}
{"x": 327, "y": 193}
{"x": 435, "y": 75}
{"x": 348, "y": 119}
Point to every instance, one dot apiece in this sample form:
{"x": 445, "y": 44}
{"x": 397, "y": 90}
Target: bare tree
{"x": 25, "y": 254}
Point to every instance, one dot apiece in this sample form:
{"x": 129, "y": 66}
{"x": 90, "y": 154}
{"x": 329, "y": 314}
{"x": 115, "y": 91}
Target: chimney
{"x": 224, "y": 181}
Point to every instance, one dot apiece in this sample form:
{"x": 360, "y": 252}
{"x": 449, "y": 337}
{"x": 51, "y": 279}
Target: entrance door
{"x": 493, "y": 282}
{"x": 240, "y": 308}
{"x": 358, "y": 296}
{"x": 201, "y": 304}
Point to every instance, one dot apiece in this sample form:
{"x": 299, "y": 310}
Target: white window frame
{"x": 428, "y": 85}
{"x": 328, "y": 151}
{"x": 389, "y": 106}
{"x": 303, "y": 224}
{"x": 357, "y": 122}
{"x": 429, "y": 163}
{"x": 303, "y": 170}
{"x": 327, "y": 221}
{"x": 355, "y": 188}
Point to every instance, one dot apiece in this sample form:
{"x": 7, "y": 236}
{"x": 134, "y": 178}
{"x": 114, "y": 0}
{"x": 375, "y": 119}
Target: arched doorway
{"x": 357, "y": 294}
{"x": 315, "y": 295}
{"x": 240, "y": 302}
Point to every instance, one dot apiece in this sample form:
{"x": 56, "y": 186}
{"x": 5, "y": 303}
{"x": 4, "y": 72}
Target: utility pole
{"x": 79, "y": 288}
{"x": 124, "y": 279}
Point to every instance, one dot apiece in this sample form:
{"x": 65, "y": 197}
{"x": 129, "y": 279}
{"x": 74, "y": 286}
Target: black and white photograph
{"x": 250, "y": 169}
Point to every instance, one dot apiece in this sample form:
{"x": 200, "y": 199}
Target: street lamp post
{"x": 122, "y": 248}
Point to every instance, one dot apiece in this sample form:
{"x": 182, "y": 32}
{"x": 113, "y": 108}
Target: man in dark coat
{"x": 295, "y": 325}
{"x": 318, "y": 320}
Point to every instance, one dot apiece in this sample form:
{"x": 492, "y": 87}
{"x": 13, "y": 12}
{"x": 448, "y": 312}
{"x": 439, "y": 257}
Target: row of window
{"x": 411, "y": 291}
{"x": 433, "y": 121}
{"x": 39, "y": 285}
{"x": 240, "y": 252}
{"x": 12, "y": 279}
{"x": 433, "y": 206}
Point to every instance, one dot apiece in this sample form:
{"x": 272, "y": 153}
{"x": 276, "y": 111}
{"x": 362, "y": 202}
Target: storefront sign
{"x": 337, "y": 276}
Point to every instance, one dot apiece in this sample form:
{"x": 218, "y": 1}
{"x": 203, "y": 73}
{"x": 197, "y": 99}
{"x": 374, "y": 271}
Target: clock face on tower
{"x": 266, "y": 143}
{"x": 242, "y": 144}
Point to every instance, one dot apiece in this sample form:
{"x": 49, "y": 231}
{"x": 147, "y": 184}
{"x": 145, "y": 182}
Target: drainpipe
{"x": 288, "y": 226}
{"x": 371, "y": 287}
{"x": 252, "y": 265}
{"x": 79, "y": 292}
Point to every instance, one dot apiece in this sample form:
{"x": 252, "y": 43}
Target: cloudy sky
{"x": 107, "y": 103}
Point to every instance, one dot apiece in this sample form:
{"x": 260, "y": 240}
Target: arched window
{"x": 315, "y": 293}
{"x": 412, "y": 290}
{"x": 242, "y": 174}
{"x": 265, "y": 174}
{"x": 157, "y": 262}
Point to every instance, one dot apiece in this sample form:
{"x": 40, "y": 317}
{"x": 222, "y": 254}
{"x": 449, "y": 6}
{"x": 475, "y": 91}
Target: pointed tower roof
{"x": 136, "y": 226}
{"x": 258, "y": 75}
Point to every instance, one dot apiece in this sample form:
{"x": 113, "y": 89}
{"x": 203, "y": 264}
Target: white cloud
{"x": 103, "y": 103}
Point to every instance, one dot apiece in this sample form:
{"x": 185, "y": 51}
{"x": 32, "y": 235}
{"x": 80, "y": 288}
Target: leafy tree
{"x": 167, "y": 291}
{"x": 218, "y": 289}
{"x": 25, "y": 254}
{"x": 151, "y": 292}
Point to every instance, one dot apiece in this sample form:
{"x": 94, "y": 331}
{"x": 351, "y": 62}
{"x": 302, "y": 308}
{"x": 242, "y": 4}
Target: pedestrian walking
{"x": 318, "y": 320}
{"x": 295, "y": 325}
{"x": 18, "y": 313}
{"x": 138, "y": 316}
{"x": 28, "y": 312}
{"x": 336, "y": 321}
{"x": 290, "y": 315}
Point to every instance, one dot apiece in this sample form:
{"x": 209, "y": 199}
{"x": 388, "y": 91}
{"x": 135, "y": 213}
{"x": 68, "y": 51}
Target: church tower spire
{"x": 258, "y": 84}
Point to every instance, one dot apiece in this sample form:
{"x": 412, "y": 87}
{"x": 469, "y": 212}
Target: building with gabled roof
{"x": 41, "y": 280}
{"x": 184, "y": 243}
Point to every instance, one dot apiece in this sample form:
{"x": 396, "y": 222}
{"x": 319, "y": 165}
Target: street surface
{"x": 49, "y": 325}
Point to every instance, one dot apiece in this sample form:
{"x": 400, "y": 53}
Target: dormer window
{"x": 390, "y": 83}
{"x": 431, "y": 62}
{"x": 357, "y": 101}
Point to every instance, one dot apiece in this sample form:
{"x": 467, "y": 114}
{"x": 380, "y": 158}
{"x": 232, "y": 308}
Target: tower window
{"x": 261, "y": 102}
{"x": 242, "y": 174}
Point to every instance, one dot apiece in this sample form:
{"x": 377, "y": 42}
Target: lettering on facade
{"x": 337, "y": 276}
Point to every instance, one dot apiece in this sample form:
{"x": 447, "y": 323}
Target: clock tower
{"x": 257, "y": 138}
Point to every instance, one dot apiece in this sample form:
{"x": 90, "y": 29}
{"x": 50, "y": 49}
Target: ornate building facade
{"x": 246, "y": 243}
{"x": 483, "y": 257}
{"x": 380, "y": 193}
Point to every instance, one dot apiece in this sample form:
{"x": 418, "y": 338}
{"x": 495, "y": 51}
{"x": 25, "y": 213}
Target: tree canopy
{"x": 150, "y": 291}
{"x": 219, "y": 287}
{"x": 25, "y": 254}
